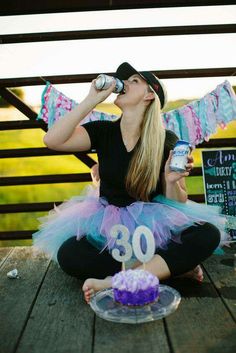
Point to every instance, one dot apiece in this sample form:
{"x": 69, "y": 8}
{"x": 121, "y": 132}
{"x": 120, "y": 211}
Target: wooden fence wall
{"x": 31, "y": 123}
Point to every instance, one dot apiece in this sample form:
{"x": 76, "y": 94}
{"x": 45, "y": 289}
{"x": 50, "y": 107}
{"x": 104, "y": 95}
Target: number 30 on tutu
{"x": 136, "y": 243}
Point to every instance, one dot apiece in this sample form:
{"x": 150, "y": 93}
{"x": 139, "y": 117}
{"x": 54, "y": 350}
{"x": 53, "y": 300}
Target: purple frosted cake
{"x": 135, "y": 287}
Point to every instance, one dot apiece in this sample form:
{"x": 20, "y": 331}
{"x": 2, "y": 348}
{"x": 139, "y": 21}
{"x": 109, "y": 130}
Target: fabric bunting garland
{"x": 193, "y": 122}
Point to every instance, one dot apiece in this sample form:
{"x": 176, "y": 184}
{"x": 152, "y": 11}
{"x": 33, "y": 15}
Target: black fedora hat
{"x": 125, "y": 70}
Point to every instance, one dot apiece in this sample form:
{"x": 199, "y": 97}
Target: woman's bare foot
{"x": 196, "y": 274}
{"x": 93, "y": 285}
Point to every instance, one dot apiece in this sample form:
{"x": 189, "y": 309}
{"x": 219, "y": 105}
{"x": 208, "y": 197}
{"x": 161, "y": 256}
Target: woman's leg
{"x": 198, "y": 243}
{"x": 181, "y": 260}
{"x": 82, "y": 260}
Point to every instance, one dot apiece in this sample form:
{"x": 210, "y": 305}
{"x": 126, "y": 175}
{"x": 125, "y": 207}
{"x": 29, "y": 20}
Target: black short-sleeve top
{"x": 113, "y": 158}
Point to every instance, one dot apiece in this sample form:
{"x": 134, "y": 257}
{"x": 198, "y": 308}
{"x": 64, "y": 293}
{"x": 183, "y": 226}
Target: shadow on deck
{"x": 44, "y": 311}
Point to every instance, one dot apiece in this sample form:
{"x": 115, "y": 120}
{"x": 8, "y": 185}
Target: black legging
{"x": 82, "y": 260}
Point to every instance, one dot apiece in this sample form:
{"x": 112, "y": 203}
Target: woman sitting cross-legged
{"x": 136, "y": 187}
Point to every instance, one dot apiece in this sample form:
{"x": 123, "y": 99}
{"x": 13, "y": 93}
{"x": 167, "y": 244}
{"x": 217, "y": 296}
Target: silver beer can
{"x": 104, "y": 81}
{"x": 180, "y": 156}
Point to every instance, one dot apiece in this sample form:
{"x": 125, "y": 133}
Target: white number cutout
{"x": 124, "y": 241}
{"x": 136, "y": 243}
{"x": 150, "y": 242}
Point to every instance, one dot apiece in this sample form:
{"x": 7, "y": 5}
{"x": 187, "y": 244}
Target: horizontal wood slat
{"x": 59, "y": 178}
{"x": 36, "y": 152}
{"x": 44, "y": 151}
{"x": 46, "y": 206}
{"x": 220, "y": 142}
{"x": 9, "y": 8}
{"x": 16, "y": 235}
{"x": 116, "y": 33}
{"x": 197, "y": 198}
{"x": 81, "y": 78}
{"x": 23, "y": 124}
{"x": 28, "y": 207}
{"x": 45, "y": 179}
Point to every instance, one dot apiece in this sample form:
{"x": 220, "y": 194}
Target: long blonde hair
{"x": 145, "y": 165}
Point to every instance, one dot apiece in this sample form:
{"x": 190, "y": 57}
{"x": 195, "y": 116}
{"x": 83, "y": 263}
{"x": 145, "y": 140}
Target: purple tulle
{"x": 92, "y": 216}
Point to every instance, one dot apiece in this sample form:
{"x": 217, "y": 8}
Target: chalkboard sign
{"x": 219, "y": 175}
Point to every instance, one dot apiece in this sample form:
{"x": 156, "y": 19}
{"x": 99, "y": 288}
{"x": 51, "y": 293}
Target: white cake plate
{"x": 105, "y": 307}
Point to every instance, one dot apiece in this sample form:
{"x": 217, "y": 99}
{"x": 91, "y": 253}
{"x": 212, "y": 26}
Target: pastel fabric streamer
{"x": 193, "y": 122}
{"x": 55, "y": 105}
{"x": 197, "y": 120}
{"x": 92, "y": 216}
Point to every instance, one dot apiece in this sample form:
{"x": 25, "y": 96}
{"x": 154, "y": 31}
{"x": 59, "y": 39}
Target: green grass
{"x": 55, "y": 165}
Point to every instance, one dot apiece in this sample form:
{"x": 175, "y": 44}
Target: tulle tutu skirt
{"x": 93, "y": 217}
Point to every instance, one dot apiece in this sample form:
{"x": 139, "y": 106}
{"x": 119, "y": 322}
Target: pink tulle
{"x": 92, "y": 216}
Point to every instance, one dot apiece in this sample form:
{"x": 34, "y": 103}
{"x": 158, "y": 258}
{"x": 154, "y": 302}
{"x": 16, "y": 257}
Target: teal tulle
{"x": 206, "y": 213}
{"x": 93, "y": 217}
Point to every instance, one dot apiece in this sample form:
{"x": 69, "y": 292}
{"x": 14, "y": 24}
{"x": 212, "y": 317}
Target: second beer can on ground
{"x": 104, "y": 81}
{"x": 180, "y": 156}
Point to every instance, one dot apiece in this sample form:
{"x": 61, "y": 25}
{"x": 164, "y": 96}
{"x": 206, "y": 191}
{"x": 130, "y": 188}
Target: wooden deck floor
{"x": 44, "y": 311}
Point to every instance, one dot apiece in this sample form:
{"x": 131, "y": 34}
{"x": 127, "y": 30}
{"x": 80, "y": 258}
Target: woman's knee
{"x": 82, "y": 260}
{"x": 204, "y": 237}
{"x": 212, "y": 235}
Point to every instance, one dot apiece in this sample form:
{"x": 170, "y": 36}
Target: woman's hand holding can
{"x": 99, "y": 96}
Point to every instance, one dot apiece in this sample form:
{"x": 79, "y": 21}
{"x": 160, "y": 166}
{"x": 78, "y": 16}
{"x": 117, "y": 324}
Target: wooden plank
{"x": 13, "y": 99}
{"x": 23, "y": 124}
{"x": 60, "y": 319}
{"x": 114, "y": 337}
{"x": 116, "y": 33}
{"x": 197, "y": 198}
{"x": 35, "y": 152}
{"x": 213, "y": 143}
{"x": 28, "y": 207}
{"x": 17, "y": 295}
{"x": 46, "y": 179}
{"x": 46, "y": 206}
{"x": 221, "y": 272}
{"x": 9, "y": 8}
{"x": 44, "y": 151}
{"x": 4, "y": 253}
{"x": 202, "y": 324}
{"x": 80, "y": 78}
{"x": 17, "y": 234}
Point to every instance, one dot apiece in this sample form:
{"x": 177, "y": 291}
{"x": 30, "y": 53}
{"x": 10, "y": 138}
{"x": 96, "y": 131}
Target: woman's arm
{"x": 65, "y": 134}
{"x": 95, "y": 174}
{"x": 175, "y": 191}
{"x": 173, "y": 183}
